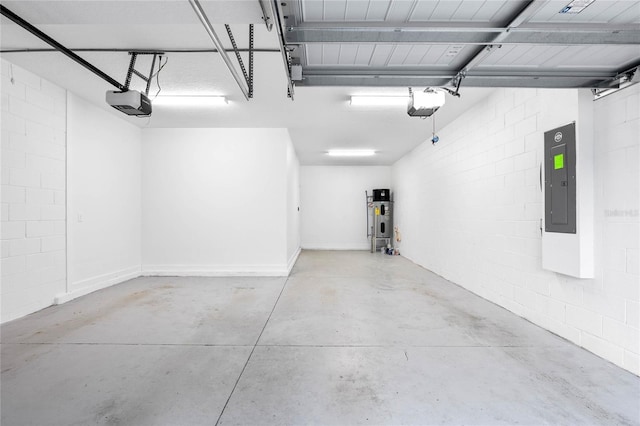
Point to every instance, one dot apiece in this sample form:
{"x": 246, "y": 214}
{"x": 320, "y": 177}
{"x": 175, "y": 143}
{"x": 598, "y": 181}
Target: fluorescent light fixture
{"x": 358, "y": 100}
{"x": 189, "y": 101}
{"x": 351, "y": 152}
{"x": 576, "y": 6}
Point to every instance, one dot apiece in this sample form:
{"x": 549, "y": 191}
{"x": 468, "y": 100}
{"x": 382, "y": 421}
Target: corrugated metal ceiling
{"x": 485, "y": 43}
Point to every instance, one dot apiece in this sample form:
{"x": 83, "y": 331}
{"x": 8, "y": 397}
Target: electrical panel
{"x": 560, "y": 179}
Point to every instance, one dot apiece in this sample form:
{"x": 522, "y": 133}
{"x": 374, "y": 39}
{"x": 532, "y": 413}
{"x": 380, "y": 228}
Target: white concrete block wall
{"x": 615, "y": 296}
{"x": 469, "y": 209}
{"x": 33, "y": 191}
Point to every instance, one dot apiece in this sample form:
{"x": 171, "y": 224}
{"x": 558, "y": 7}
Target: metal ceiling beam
{"x": 267, "y": 14}
{"x": 218, "y": 44}
{"x": 388, "y": 36}
{"x": 411, "y": 77}
{"x": 463, "y": 34}
{"x": 515, "y": 81}
{"x": 279, "y": 24}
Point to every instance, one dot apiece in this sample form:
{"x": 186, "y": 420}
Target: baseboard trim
{"x": 89, "y": 285}
{"x": 357, "y": 247}
{"x": 292, "y": 260}
{"x": 215, "y": 271}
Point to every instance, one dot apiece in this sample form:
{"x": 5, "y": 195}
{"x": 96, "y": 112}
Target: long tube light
{"x": 190, "y": 101}
{"x": 363, "y": 100}
{"x": 351, "y": 152}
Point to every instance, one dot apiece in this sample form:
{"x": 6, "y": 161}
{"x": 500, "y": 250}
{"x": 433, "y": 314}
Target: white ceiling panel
{"x": 356, "y": 10}
{"x": 312, "y": 11}
{"x": 445, "y": 10}
{"x": 313, "y": 53}
{"x": 519, "y": 56}
{"x": 555, "y": 57}
{"x": 381, "y": 54}
{"x": 399, "y": 55}
{"x": 454, "y": 55}
{"x": 467, "y": 10}
{"x": 384, "y": 55}
{"x": 348, "y": 53}
{"x": 344, "y": 10}
{"x": 331, "y": 54}
{"x": 595, "y": 57}
{"x": 335, "y": 10}
{"x": 496, "y": 11}
{"x": 363, "y": 56}
{"x": 378, "y": 10}
{"x": 416, "y": 54}
{"x": 598, "y": 12}
{"x": 629, "y": 15}
{"x": 400, "y": 10}
{"x": 423, "y": 11}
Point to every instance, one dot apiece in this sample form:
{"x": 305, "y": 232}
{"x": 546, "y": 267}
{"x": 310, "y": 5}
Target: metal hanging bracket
{"x": 248, "y": 77}
{"x": 132, "y": 70}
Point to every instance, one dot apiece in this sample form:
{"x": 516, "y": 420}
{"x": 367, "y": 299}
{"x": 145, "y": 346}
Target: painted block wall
{"x": 104, "y": 199}
{"x": 214, "y": 201}
{"x": 469, "y": 209}
{"x": 33, "y": 191}
{"x": 333, "y": 205}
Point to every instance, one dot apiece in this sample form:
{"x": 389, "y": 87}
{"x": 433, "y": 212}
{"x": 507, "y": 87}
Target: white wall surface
{"x": 33, "y": 192}
{"x": 293, "y": 206}
{"x": 104, "y": 198}
{"x": 214, "y": 201}
{"x": 333, "y": 205}
{"x": 469, "y": 209}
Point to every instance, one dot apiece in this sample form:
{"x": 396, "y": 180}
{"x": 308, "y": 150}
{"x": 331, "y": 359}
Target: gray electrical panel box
{"x": 560, "y": 179}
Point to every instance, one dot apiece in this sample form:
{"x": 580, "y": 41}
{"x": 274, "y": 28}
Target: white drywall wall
{"x": 469, "y": 209}
{"x": 333, "y": 205}
{"x": 293, "y": 206}
{"x": 33, "y": 192}
{"x": 104, "y": 210}
{"x": 214, "y": 201}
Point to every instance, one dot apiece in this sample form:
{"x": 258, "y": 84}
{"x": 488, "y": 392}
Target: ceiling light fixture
{"x": 358, "y": 100}
{"x": 189, "y": 101}
{"x": 351, "y": 152}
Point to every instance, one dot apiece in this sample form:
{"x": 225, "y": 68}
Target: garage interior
{"x": 211, "y": 263}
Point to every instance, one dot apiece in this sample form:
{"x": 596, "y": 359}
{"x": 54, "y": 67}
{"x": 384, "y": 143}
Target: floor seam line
{"x": 255, "y": 345}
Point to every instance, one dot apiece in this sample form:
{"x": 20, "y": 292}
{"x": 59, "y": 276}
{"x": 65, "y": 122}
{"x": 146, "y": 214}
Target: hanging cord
{"x": 434, "y": 137}
{"x": 157, "y": 74}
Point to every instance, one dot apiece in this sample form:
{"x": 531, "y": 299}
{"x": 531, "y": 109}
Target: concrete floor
{"x": 348, "y": 338}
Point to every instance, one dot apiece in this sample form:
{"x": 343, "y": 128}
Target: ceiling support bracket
{"x": 133, "y": 71}
{"x": 250, "y": 82}
{"x": 248, "y": 77}
{"x": 197, "y": 7}
{"x": 619, "y": 82}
